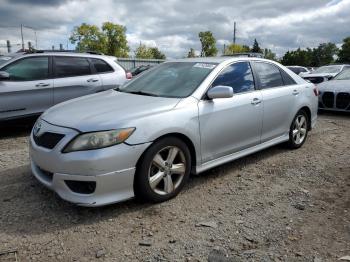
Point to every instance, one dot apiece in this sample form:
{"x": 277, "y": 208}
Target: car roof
{"x": 219, "y": 59}
{"x": 60, "y": 53}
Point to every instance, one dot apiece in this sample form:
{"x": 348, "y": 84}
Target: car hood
{"x": 320, "y": 75}
{"x": 335, "y": 85}
{"x": 106, "y": 110}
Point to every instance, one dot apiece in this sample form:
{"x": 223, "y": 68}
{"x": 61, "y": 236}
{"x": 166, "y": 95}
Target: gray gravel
{"x": 276, "y": 205}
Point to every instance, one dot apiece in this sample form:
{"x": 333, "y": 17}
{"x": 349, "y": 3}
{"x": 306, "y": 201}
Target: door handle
{"x": 256, "y": 101}
{"x": 42, "y": 85}
{"x": 295, "y": 92}
{"x": 92, "y": 80}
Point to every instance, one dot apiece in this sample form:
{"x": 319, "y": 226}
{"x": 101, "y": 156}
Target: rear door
{"x": 279, "y": 94}
{"x": 110, "y": 77}
{"x": 74, "y": 77}
{"x": 29, "y": 90}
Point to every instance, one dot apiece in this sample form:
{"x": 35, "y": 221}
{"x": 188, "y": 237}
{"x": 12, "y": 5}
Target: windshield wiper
{"x": 141, "y": 93}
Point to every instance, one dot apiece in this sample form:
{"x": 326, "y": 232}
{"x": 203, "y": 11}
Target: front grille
{"x": 48, "y": 140}
{"x": 328, "y": 99}
{"x": 343, "y": 100}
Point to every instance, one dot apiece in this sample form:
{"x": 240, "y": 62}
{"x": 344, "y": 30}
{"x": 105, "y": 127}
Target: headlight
{"x": 96, "y": 140}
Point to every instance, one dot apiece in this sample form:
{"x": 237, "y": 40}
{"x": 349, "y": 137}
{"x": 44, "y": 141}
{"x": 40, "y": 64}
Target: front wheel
{"x": 163, "y": 170}
{"x": 298, "y": 130}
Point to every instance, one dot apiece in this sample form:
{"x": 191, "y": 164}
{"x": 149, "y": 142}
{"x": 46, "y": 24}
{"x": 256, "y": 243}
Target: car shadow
{"x": 16, "y": 128}
{"x": 27, "y": 207}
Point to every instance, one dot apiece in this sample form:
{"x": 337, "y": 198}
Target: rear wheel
{"x": 163, "y": 170}
{"x": 298, "y": 130}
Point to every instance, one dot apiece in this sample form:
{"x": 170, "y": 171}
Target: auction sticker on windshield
{"x": 204, "y": 65}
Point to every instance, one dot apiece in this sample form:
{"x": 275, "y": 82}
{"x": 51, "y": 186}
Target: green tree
{"x": 191, "y": 53}
{"x": 324, "y": 54}
{"x": 87, "y": 37}
{"x": 256, "y": 48}
{"x": 344, "y": 52}
{"x": 157, "y": 54}
{"x": 115, "y": 42}
{"x": 149, "y": 52}
{"x": 111, "y": 40}
{"x": 208, "y": 42}
{"x": 268, "y": 54}
{"x": 298, "y": 57}
{"x": 235, "y": 48}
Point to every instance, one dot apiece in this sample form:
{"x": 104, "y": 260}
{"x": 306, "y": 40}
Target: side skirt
{"x": 245, "y": 152}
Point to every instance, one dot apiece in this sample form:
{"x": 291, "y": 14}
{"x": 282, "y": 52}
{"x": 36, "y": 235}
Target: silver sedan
{"x": 183, "y": 116}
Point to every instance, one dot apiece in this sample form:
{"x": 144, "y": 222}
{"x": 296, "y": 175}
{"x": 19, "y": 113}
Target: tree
{"x": 87, "y": 37}
{"x": 191, "y": 53}
{"x": 344, "y": 52}
{"x": 208, "y": 44}
{"x": 115, "y": 40}
{"x": 256, "y": 48}
{"x": 157, "y": 54}
{"x": 148, "y": 52}
{"x": 268, "y": 54}
{"x": 111, "y": 40}
{"x": 324, "y": 54}
{"x": 235, "y": 48}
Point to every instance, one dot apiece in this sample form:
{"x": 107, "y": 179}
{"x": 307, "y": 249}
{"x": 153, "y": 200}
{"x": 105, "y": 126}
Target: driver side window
{"x": 29, "y": 69}
{"x": 239, "y": 76}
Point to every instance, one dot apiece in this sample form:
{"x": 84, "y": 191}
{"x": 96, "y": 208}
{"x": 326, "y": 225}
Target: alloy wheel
{"x": 167, "y": 170}
{"x": 299, "y": 129}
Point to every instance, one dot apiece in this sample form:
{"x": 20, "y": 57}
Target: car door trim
{"x": 228, "y": 158}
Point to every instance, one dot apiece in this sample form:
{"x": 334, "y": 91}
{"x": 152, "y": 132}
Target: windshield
{"x": 173, "y": 79}
{"x": 345, "y": 75}
{"x": 328, "y": 69}
{"x": 4, "y": 59}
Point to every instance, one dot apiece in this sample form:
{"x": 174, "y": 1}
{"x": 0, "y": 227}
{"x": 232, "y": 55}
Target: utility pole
{"x": 234, "y": 32}
{"x": 22, "y": 37}
{"x": 36, "y": 40}
{"x": 8, "y": 46}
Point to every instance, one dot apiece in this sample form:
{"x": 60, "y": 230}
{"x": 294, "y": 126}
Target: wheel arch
{"x": 183, "y": 138}
{"x": 307, "y": 110}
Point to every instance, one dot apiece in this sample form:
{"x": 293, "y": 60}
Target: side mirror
{"x": 220, "y": 92}
{"x": 4, "y": 75}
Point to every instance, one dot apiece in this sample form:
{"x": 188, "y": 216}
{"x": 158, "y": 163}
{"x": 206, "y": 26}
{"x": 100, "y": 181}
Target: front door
{"x": 228, "y": 125}
{"x": 29, "y": 88}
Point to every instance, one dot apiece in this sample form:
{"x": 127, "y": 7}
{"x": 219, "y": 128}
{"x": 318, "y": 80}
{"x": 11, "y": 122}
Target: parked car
{"x": 30, "y": 83}
{"x": 139, "y": 69}
{"x": 184, "y": 116}
{"x": 335, "y": 94}
{"x": 325, "y": 73}
{"x": 299, "y": 70}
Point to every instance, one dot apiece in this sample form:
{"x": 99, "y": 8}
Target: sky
{"x": 173, "y": 25}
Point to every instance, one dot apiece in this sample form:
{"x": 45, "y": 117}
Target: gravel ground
{"x": 276, "y": 205}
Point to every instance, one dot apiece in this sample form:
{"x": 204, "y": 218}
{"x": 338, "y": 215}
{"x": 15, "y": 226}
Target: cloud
{"x": 173, "y": 25}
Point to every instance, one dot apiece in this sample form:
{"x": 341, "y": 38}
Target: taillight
{"x": 316, "y": 92}
{"x": 128, "y": 75}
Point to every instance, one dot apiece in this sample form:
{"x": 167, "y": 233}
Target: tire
{"x": 299, "y": 129}
{"x": 163, "y": 170}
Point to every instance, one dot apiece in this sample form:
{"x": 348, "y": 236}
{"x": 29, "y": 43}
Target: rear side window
{"x": 238, "y": 76}
{"x": 287, "y": 79}
{"x": 71, "y": 66}
{"x": 29, "y": 69}
{"x": 269, "y": 75}
{"x": 101, "y": 66}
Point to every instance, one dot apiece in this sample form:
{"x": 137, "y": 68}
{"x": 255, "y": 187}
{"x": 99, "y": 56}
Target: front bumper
{"x": 100, "y": 177}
